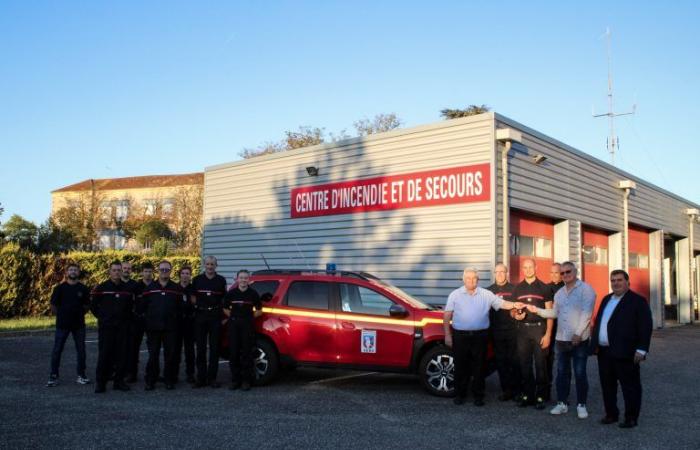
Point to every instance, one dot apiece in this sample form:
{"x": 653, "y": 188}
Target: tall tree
{"x": 81, "y": 217}
{"x": 21, "y": 231}
{"x": 307, "y": 136}
{"x": 470, "y": 110}
{"x": 151, "y": 231}
{"x": 379, "y": 124}
{"x": 52, "y": 238}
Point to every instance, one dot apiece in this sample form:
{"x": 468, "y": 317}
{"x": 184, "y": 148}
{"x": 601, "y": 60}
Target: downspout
{"x": 505, "y": 214}
{"x": 625, "y": 230}
{"x": 626, "y": 186}
{"x": 692, "y": 217}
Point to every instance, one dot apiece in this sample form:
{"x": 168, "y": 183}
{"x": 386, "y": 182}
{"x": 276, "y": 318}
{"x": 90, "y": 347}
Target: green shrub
{"x": 27, "y": 279}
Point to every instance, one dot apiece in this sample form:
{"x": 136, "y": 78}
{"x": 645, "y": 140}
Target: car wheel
{"x": 265, "y": 362}
{"x": 436, "y": 371}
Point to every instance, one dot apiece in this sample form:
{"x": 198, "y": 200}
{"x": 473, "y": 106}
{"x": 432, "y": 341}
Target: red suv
{"x": 349, "y": 320}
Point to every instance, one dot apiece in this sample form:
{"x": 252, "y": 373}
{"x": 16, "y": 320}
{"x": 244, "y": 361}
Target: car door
{"x": 307, "y": 324}
{"x": 366, "y": 333}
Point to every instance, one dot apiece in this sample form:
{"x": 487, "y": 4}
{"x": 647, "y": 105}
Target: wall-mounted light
{"x": 539, "y": 159}
{"x": 312, "y": 171}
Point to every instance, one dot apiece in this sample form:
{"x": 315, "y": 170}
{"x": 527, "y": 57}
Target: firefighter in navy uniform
{"x": 185, "y": 340}
{"x": 112, "y": 304}
{"x": 534, "y": 336}
{"x": 208, "y": 290}
{"x": 503, "y": 331}
{"x": 162, "y": 305}
{"x": 132, "y": 286}
{"x": 138, "y": 325}
{"x": 241, "y": 305}
{"x": 555, "y": 283}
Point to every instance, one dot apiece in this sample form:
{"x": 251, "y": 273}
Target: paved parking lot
{"x": 311, "y": 408}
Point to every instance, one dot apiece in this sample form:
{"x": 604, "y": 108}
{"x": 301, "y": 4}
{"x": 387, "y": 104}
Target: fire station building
{"x": 416, "y": 206}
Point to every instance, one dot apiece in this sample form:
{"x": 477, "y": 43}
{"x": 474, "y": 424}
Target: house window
{"x": 168, "y": 206}
{"x": 122, "y": 209}
{"x": 150, "y": 205}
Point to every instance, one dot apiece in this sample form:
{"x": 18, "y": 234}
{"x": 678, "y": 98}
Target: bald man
{"x": 534, "y": 336}
{"x": 466, "y": 323}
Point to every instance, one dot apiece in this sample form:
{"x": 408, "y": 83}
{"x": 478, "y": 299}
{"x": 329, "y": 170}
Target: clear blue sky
{"x": 112, "y": 89}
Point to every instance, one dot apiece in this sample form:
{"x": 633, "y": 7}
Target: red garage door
{"x": 595, "y": 260}
{"x": 639, "y": 261}
{"x": 594, "y": 269}
{"x": 530, "y": 237}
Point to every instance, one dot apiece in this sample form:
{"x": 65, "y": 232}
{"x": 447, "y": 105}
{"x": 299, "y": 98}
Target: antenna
{"x": 613, "y": 142}
{"x": 266, "y": 264}
{"x": 302, "y": 255}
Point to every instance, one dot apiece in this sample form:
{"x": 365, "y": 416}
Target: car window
{"x": 308, "y": 294}
{"x": 265, "y": 288}
{"x": 359, "y": 299}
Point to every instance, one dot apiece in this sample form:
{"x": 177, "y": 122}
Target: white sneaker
{"x": 581, "y": 411}
{"x": 561, "y": 408}
{"x": 83, "y": 380}
{"x": 53, "y": 381}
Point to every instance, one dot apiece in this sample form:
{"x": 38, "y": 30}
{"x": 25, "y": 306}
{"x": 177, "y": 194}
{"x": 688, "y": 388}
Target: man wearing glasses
{"x": 162, "y": 304}
{"x": 573, "y": 306}
{"x": 556, "y": 283}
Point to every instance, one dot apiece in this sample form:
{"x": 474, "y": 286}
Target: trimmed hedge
{"x": 27, "y": 279}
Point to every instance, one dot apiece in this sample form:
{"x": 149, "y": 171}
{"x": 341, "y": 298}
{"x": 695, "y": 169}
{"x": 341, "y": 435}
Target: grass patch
{"x": 38, "y": 323}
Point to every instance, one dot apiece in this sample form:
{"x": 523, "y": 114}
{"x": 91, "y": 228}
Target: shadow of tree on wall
{"x": 355, "y": 241}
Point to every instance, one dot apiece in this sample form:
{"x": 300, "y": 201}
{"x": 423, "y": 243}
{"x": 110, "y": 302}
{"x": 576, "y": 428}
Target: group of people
{"x": 524, "y": 321}
{"x": 179, "y": 317}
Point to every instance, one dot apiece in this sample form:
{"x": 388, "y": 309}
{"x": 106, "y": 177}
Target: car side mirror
{"x": 397, "y": 311}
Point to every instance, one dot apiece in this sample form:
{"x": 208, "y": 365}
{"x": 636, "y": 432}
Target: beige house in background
{"x": 121, "y": 198}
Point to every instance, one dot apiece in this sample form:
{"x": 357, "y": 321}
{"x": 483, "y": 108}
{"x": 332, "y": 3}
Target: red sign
{"x": 434, "y": 187}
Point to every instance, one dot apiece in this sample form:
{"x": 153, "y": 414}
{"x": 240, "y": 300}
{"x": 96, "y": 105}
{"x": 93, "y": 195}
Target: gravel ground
{"x": 313, "y": 408}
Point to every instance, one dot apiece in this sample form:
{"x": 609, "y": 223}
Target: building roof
{"x": 148, "y": 181}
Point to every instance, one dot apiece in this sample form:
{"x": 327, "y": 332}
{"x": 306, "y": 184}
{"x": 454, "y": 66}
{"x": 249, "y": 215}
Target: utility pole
{"x": 613, "y": 143}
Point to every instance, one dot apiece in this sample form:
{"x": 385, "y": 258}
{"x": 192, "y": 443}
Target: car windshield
{"x": 406, "y": 297}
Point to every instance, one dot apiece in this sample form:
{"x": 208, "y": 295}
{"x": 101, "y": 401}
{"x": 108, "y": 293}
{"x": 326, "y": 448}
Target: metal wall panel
{"x": 422, "y": 250}
{"x": 573, "y": 185}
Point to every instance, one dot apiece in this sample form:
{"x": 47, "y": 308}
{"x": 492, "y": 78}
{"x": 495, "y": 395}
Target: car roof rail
{"x": 344, "y": 273}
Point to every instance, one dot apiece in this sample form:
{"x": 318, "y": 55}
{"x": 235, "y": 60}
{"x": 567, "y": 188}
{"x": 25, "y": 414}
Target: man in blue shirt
{"x": 468, "y": 311}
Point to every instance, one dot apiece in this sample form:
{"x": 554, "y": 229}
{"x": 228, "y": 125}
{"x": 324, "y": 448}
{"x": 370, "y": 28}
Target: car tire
{"x": 265, "y": 362}
{"x": 436, "y": 371}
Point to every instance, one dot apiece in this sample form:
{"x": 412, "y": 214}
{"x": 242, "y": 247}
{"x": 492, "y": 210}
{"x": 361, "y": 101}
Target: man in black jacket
{"x": 242, "y": 305}
{"x": 503, "y": 330}
{"x": 112, "y": 304}
{"x": 185, "y": 335}
{"x": 208, "y": 291}
{"x": 138, "y": 324}
{"x": 621, "y": 338}
{"x": 162, "y": 304}
{"x": 70, "y": 301}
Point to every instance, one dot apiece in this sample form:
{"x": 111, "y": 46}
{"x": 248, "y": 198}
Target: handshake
{"x": 520, "y": 306}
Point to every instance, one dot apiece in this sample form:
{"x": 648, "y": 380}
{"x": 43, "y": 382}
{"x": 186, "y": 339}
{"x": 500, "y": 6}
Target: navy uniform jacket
{"x": 162, "y": 306}
{"x": 112, "y": 304}
{"x": 629, "y": 327}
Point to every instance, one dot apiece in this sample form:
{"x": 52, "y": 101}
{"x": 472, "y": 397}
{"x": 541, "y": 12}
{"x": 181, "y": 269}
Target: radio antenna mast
{"x": 613, "y": 142}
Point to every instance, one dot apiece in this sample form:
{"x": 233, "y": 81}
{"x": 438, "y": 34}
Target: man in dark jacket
{"x": 138, "y": 325}
{"x": 162, "y": 304}
{"x": 621, "y": 338}
{"x": 70, "y": 301}
{"x": 241, "y": 305}
{"x": 208, "y": 291}
{"x": 185, "y": 335}
{"x": 503, "y": 330}
{"x": 112, "y": 304}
